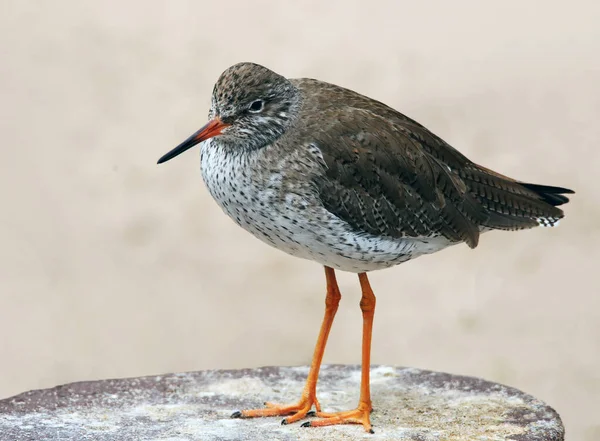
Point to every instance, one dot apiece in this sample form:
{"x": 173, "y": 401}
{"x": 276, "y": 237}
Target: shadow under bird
{"x": 326, "y": 174}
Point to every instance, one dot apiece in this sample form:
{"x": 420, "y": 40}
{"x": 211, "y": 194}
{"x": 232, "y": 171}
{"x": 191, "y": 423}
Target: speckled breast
{"x": 270, "y": 195}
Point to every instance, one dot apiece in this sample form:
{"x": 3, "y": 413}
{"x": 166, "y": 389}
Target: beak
{"x": 213, "y": 128}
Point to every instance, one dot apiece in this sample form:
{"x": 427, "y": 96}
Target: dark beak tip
{"x": 164, "y": 158}
{"x": 212, "y": 128}
{"x": 185, "y": 145}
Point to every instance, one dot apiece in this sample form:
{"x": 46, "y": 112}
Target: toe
{"x": 297, "y": 416}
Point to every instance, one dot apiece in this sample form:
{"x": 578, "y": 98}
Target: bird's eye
{"x": 257, "y": 106}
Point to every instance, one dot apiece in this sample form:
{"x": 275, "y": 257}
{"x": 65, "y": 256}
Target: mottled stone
{"x": 410, "y": 404}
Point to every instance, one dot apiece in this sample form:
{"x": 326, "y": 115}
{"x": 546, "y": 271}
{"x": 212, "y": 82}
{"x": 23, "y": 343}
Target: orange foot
{"x": 360, "y": 415}
{"x": 296, "y": 411}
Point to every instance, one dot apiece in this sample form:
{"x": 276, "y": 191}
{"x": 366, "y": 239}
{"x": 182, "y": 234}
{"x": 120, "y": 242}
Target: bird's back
{"x": 388, "y": 175}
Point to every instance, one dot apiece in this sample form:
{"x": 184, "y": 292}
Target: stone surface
{"x": 410, "y": 404}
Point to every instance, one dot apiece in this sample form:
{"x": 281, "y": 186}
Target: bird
{"x": 324, "y": 173}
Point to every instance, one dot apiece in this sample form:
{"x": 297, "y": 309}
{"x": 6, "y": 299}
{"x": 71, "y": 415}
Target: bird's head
{"x": 251, "y": 107}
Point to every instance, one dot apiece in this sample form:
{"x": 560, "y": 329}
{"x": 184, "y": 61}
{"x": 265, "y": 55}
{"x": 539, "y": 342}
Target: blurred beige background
{"x": 111, "y": 266}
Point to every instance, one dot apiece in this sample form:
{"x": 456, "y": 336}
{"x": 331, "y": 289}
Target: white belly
{"x": 288, "y": 215}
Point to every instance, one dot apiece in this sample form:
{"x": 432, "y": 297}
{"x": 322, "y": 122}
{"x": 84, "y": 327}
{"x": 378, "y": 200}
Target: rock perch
{"x": 409, "y": 404}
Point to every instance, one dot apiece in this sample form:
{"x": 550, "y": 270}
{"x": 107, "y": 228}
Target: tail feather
{"x": 514, "y": 205}
{"x": 553, "y": 195}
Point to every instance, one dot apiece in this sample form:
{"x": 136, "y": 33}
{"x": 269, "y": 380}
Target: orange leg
{"x": 309, "y": 394}
{"x": 360, "y": 415}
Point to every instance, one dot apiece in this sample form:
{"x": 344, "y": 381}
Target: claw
{"x": 237, "y": 414}
{"x": 306, "y": 424}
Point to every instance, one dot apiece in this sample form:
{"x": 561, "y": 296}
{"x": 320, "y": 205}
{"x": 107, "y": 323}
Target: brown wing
{"x": 509, "y": 204}
{"x": 388, "y": 175}
{"x": 381, "y": 181}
